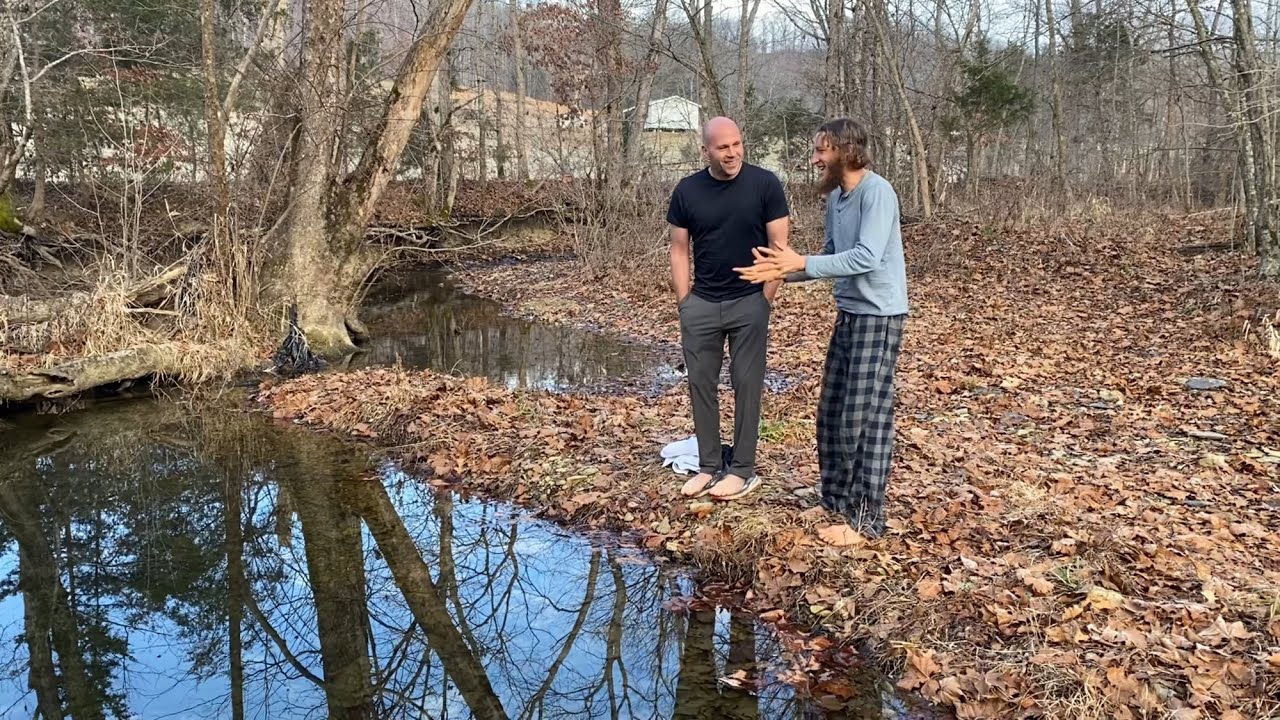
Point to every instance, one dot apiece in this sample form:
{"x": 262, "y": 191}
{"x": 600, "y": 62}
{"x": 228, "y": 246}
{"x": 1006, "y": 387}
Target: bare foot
{"x": 696, "y": 484}
{"x": 729, "y": 485}
{"x": 816, "y": 513}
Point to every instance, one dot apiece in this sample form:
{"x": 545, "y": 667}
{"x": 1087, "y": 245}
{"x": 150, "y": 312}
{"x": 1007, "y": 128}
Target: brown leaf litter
{"x": 1075, "y": 531}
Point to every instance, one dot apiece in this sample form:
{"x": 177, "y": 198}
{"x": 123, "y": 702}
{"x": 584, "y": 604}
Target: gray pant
{"x": 704, "y": 325}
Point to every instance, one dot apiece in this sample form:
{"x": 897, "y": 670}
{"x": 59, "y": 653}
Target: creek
{"x": 172, "y": 558}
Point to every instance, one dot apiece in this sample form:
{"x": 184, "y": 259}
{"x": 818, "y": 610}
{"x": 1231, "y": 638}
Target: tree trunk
{"x": 236, "y": 589}
{"x": 745, "y": 23}
{"x": 644, "y": 89}
{"x": 335, "y": 567}
{"x": 701, "y": 23}
{"x": 413, "y": 577}
{"x": 522, "y": 92}
{"x": 76, "y": 376}
{"x": 889, "y": 60}
{"x": 36, "y": 578}
{"x": 971, "y": 164}
{"x": 35, "y": 212}
{"x": 1257, "y": 118}
{"x": 22, "y": 310}
{"x": 1171, "y": 165}
{"x": 482, "y": 129}
{"x": 214, "y": 124}
{"x": 834, "y": 96}
{"x": 1060, "y": 158}
{"x": 311, "y": 264}
{"x": 1259, "y": 219}
{"x": 449, "y": 168}
{"x": 325, "y": 261}
{"x": 55, "y": 619}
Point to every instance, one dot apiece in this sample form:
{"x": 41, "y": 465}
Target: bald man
{"x": 723, "y": 212}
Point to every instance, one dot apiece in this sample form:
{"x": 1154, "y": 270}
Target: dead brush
{"x": 1269, "y": 335}
{"x": 200, "y": 335}
{"x": 14, "y": 273}
{"x": 1065, "y": 692}
{"x": 746, "y": 537}
{"x": 620, "y": 233}
{"x": 105, "y": 325}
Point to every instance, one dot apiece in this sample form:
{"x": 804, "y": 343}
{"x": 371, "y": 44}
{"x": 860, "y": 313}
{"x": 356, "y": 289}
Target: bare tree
{"x": 877, "y": 18}
{"x": 323, "y": 230}
{"x": 745, "y": 24}
{"x": 522, "y": 92}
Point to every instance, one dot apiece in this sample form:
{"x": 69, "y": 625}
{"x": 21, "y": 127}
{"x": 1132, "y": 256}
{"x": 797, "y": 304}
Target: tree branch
{"x": 279, "y": 641}
{"x": 229, "y": 103}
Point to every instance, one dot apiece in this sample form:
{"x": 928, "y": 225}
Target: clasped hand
{"x": 771, "y": 264}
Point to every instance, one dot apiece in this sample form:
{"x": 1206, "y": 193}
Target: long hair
{"x": 849, "y": 138}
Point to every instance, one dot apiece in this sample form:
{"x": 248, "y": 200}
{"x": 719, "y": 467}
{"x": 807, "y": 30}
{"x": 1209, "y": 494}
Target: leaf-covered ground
{"x": 1076, "y": 530}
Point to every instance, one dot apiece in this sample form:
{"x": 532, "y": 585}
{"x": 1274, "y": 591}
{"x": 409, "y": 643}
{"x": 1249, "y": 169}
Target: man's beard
{"x": 831, "y": 178}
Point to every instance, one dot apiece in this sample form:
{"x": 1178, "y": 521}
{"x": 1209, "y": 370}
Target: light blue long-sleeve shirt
{"x": 863, "y": 250}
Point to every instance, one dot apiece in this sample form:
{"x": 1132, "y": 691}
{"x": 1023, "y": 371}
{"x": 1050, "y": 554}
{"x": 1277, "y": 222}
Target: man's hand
{"x": 771, "y": 264}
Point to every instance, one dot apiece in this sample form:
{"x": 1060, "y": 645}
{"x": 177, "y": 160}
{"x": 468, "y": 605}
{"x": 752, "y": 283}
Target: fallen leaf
{"x": 1214, "y": 460}
{"x": 576, "y": 502}
{"x": 928, "y": 589}
{"x": 841, "y": 536}
{"x": 1037, "y": 584}
{"x": 1103, "y": 599}
{"x": 701, "y": 508}
{"x": 923, "y": 661}
{"x": 708, "y": 536}
{"x": 839, "y": 688}
{"x": 772, "y": 616}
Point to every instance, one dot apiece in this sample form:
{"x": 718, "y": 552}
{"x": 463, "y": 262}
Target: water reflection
{"x": 171, "y": 562}
{"x": 421, "y": 320}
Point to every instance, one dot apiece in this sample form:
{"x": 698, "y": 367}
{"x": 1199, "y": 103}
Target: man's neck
{"x": 851, "y": 178}
{"x": 720, "y": 175}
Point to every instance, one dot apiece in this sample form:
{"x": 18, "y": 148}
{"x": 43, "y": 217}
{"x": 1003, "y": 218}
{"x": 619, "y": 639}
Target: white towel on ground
{"x": 682, "y": 455}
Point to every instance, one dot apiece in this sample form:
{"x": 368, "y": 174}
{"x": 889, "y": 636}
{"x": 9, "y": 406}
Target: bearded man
{"x": 863, "y": 254}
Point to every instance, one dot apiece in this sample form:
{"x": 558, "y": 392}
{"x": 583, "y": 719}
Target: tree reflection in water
{"x": 169, "y": 561}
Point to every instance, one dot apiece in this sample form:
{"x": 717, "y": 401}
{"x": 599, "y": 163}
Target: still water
{"x": 166, "y": 561}
{"x": 421, "y": 319}
{"x": 161, "y": 559}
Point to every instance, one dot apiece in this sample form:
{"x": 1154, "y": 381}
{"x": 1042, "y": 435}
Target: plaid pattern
{"x": 855, "y": 417}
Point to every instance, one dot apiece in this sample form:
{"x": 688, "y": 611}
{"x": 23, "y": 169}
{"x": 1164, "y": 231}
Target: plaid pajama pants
{"x": 855, "y": 418}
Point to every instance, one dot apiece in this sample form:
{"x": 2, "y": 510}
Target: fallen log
{"x": 82, "y": 374}
{"x": 24, "y": 310}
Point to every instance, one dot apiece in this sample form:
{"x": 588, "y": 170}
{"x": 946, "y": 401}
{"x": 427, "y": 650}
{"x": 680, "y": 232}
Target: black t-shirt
{"x": 725, "y": 220}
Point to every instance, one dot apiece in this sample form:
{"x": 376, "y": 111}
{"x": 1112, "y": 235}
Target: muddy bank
{"x": 1081, "y": 525}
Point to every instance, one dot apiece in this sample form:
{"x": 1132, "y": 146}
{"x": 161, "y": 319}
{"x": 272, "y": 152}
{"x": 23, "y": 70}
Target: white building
{"x": 671, "y": 114}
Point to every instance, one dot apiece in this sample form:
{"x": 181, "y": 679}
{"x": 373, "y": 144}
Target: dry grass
{"x": 1269, "y": 335}
{"x": 199, "y": 332}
